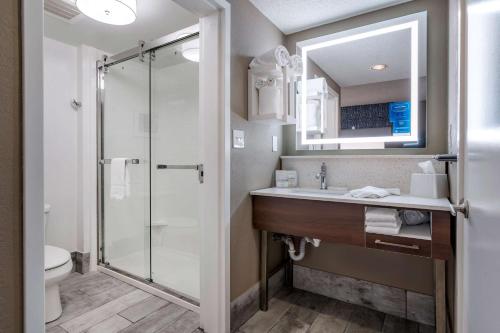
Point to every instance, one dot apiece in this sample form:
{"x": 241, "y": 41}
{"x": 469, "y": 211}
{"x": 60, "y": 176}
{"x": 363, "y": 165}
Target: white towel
{"x": 277, "y": 56}
{"x": 377, "y": 214}
{"x": 119, "y": 179}
{"x": 374, "y": 192}
{"x": 384, "y": 230}
{"x": 296, "y": 65}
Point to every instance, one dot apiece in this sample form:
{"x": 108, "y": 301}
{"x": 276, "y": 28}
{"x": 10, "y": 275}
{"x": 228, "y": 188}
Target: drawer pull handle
{"x": 412, "y": 247}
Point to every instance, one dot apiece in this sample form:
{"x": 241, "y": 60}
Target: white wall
{"x": 60, "y": 143}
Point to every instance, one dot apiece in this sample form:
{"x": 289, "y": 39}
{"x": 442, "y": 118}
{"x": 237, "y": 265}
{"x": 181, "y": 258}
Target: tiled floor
{"x": 300, "y": 311}
{"x": 98, "y": 303}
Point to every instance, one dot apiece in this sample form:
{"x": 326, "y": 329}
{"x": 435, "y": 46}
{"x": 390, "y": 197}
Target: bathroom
{"x": 250, "y": 166}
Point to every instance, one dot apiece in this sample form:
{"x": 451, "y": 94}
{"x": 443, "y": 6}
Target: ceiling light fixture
{"x": 191, "y": 50}
{"x": 378, "y": 67}
{"x": 116, "y": 12}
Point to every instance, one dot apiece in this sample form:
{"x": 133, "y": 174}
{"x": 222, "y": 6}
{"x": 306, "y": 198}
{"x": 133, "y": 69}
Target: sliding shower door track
{"x": 151, "y": 287}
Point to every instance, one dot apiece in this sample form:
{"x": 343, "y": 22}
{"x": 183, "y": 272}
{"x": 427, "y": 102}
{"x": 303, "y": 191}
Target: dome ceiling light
{"x": 116, "y": 12}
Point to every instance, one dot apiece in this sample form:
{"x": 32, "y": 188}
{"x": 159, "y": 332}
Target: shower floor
{"x": 176, "y": 270}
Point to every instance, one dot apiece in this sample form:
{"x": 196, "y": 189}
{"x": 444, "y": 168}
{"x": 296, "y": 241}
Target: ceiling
{"x": 349, "y": 63}
{"x": 155, "y": 18}
{"x": 295, "y": 15}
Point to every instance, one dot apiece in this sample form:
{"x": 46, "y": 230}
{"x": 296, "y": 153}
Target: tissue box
{"x": 286, "y": 178}
{"x": 429, "y": 185}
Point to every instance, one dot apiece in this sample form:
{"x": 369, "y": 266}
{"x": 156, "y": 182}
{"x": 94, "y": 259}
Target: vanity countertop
{"x": 402, "y": 201}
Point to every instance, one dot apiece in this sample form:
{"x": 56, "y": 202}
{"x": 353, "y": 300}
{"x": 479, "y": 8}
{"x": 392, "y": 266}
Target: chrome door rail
{"x": 197, "y": 167}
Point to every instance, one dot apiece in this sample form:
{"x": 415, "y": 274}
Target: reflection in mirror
{"x": 365, "y": 88}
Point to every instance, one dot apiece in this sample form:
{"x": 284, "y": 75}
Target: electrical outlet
{"x": 275, "y": 143}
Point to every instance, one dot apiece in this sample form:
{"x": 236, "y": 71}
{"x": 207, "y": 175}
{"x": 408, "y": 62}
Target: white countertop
{"x": 402, "y": 201}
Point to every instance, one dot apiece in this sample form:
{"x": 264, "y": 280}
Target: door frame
{"x": 214, "y": 94}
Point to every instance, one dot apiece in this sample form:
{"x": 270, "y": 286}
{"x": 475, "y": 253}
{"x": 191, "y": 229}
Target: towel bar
{"x": 129, "y": 161}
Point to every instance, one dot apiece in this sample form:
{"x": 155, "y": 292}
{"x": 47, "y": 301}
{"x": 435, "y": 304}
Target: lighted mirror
{"x": 366, "y": 88}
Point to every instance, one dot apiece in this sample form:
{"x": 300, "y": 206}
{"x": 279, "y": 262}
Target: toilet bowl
{"x": 58, "y": 266}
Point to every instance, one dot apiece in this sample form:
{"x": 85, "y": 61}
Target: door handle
{"x": 404, "y": 246}
{"x": 462, "y": 207}
{"x": 197, "y": 167}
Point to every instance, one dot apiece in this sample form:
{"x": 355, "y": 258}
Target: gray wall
{"x": 437, "y": 68}
{"x": 252, "y": 167}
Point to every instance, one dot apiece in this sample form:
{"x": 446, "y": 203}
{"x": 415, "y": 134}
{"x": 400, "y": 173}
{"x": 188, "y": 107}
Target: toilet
{"x": 58, "y": 266}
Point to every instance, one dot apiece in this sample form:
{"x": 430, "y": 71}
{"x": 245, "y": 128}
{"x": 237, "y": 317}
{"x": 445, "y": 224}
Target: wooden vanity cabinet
{"x": 328, "y": 221}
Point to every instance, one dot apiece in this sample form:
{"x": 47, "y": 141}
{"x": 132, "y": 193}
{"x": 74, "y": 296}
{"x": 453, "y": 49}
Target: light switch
{"x": 275, "y": 143}
{"x": 238, "y": 139}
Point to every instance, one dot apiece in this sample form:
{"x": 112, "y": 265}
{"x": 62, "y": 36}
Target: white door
{"x": 481, "y": 312}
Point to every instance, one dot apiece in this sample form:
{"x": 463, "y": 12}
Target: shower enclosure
{"x": 149, "y": 114}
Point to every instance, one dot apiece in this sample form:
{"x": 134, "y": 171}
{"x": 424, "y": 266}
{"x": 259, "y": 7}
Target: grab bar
{"x": 128, "y": 161}
{"x": 197, "y": 167}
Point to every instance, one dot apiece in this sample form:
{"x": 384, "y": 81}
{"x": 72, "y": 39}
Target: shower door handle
{"x": 197, "y": 167}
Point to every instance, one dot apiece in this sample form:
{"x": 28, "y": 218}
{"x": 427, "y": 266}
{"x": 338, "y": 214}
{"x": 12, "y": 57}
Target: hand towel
{"x": 384, "y": 230}
{"x": 296, "y": 65}
{"x": 377, "y": 214}
{"x": 374, "y": 192}
{"x": 119, "y": 179}
{"x": 277, "y": 56}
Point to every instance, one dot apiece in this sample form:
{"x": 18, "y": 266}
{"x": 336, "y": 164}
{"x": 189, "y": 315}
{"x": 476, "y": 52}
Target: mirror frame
{"x": 345, "y": 37}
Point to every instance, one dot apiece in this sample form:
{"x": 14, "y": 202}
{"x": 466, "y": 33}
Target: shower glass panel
{"x": 149, "y": 114}
{"x": 125, "y": 134}
{"x": 175, "y": 227}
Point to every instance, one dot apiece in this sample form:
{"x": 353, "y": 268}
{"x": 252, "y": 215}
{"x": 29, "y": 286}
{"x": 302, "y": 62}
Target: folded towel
{"x": 376, "y": 214}
{"x": 277, "y": 56}
{"x": 387, "y": 224}
{"x": 384, "y": 230}
{"x": 374, "y": 192}
{"x": 296, "y": 65}
{"x": 119, "y": 179}
{"x": 415, "y": 217}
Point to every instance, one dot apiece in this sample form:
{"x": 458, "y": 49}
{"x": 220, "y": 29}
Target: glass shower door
{"x": 125, "y": 133}
{"x": 175, "y": 191}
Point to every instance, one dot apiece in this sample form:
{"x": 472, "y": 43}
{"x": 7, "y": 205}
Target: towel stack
{"x": 384, "y": 221}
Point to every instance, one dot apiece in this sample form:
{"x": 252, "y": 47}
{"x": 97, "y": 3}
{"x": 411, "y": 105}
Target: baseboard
{"x": 394, "y": 301}
{"x": 81, "y": 262}
{"x": 247, "y": 304}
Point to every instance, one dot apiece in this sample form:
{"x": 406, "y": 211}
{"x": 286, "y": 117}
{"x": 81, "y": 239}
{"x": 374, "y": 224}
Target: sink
{"x": 329, "y": 191}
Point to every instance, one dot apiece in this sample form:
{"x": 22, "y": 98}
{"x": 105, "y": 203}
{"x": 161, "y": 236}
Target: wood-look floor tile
{"x": 304, "y": 310}
{"x": 426, "y": 328}
{"x": 142, "y": 309}
{"x": 399, "y": 325}
{"x": 157, "y": 320}
{"x": 364, "y": 320}
{"x": 76, "y": 306}
{"x": 113, "y": 324}
{"x": 56, "y": 329}
{"x": 188, "y": 322}
{"x": 334, "y": 317}
{"x": 95, "y": 316}
{"x": 263, "y": 321}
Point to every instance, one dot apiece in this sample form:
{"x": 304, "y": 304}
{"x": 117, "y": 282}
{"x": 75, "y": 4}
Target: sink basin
{"x": 329, "y": 191}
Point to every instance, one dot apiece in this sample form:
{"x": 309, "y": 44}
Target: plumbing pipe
{"x": 302, "y": 247}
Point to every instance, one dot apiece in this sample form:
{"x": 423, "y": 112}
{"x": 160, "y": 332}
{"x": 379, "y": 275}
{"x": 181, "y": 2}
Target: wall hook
{"x": 75, "y": 104}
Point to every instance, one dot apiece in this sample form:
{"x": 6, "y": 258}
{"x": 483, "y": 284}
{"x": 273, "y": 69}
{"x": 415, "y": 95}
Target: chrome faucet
{"x": 321, "y": 176}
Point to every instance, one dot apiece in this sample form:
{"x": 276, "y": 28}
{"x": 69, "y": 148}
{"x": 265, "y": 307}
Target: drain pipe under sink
{"x": 302, "y": 247}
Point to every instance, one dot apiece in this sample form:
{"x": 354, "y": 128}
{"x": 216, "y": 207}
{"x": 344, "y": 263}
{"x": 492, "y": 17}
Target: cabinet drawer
{"x": 418, "y": 247}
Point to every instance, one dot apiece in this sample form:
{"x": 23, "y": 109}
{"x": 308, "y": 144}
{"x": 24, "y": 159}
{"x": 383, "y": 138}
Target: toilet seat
{"x": 55, "y": 257}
